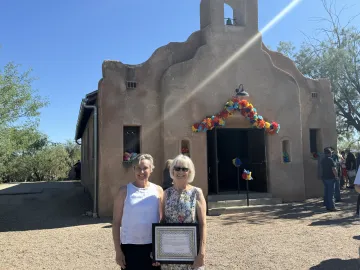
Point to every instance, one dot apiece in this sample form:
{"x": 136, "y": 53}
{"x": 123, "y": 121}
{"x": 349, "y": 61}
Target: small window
{"x": 286, "y": 151}
{"x": 185, "y": 147}
{"x": 315, "y": 145}
{"x": 131, "y": 78}
{"x": 131, "y": 85}
{"x": 131, "y": 139}
{"x": 314, "y": 94}
{"x": 228, "y": 15}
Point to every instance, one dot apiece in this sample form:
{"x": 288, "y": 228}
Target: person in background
{"x": 357, "y": 161}
{"x": 136, "y": 207}
{"x": 321, "y": 156}
{"x": 167, "y": 181}
{"x": 330, "y": 176}
{"x": 335, "y": 158}
{"x": 344, "y": 178}
{"x": 350, "y": 167}
{"x": 78, "y": 170}
{"x": 357, "y": 189}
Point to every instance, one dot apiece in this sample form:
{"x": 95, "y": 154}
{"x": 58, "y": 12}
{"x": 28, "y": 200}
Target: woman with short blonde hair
{"x": 136, "y": 207}
{"x": 186, "y": 162}
{"x": 184, "y": 203}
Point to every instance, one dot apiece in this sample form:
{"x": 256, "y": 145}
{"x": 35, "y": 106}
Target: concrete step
{"x": 241, "y": 209}
{"x": 241, "y": 196}
{"x": 243, "y": 202}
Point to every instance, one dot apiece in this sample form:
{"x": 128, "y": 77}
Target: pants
{"x": 329, "y": 188}
{"x": 337, "y": 190}
{"x": 351, "y": 181}
{"x": 342, "y": 181}
{"x": 358, "y": 205}
{"x": 138, "y": 257}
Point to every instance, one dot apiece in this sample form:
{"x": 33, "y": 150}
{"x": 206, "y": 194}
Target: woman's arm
{"x": 117, "y": 217}
{"x": 201, "y": 215}
{"x": 161, "y": 199}
{"x": 162, "y": 206}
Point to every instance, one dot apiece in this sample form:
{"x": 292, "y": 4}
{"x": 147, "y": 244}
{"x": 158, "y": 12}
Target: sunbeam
{"x": 231, "y": 59}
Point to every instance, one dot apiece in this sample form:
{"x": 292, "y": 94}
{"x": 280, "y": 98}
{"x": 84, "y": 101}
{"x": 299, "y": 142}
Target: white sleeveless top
{"x": 141, "y": 209}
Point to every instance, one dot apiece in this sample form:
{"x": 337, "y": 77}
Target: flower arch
{"x": 246, "y": 109}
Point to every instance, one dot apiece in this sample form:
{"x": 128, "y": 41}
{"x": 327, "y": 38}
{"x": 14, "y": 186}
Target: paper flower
{"x": 237, "y": 162}
{"x": 246, "y": 109}
{"x": 246, "y": 175}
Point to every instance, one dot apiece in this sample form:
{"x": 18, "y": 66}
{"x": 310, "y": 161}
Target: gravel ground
{"x": 48, "y": 230}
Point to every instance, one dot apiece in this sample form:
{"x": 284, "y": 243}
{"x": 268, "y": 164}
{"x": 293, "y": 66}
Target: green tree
{"x": 47, "y": 164}
{"x": 19, "y": 114}
{"x": 19, "y": 101}
{"x": 73, "y": 150}
{"x": 50, "y": 163}
{"x": 335, "y": 56}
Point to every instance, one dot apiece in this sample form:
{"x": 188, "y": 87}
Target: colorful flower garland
{"x": 246, "y": 109}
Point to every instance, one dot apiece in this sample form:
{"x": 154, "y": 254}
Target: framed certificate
{"x": 175, "y": 243}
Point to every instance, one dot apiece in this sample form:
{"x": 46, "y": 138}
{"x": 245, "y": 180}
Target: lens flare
{"x": 234, "y": 57}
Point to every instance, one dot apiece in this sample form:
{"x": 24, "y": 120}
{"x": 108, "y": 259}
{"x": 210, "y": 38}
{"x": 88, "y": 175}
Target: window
{"x": 132, "y": 139}
{"x": 131, "y": 85}
{"x": 185, "y": 147}
{"x": 314, "y": 94}
{"x": 131, "y": 78}
{"x": 315, "y": 145}
{"x": 286, "y": 151}
{"x": 228, "y": 15}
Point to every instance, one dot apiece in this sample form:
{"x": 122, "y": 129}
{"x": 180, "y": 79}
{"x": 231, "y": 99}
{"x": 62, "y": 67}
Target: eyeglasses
{"x": 181, "y": 169}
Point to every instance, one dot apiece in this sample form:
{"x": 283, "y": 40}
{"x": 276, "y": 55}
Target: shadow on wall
{"x": 312, "y": 209}
{"x": 44, "y": 205}
{"x": 337, "y": 264}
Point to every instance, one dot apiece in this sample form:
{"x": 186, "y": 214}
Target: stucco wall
{"x": 181, "y": 83}
{"x": 317, "y": 113}
{"x": 273, "y": 92}
{"x": 119, "y": 106}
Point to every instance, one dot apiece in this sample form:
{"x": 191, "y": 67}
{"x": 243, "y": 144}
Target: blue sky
{"x": 65, "y": 42}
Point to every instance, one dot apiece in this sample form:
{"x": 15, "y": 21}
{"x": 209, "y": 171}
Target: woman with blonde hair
{"x": 167, "y": 181}
{"x": 184, "y": 203}
{"x": 136, "y": 207}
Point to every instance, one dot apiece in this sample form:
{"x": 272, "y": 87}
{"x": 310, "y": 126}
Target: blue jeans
{"x": 337, "y": 190}
{"x": 329, "y": 188}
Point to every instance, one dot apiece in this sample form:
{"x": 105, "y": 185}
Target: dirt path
{"x": 48, "y": 231}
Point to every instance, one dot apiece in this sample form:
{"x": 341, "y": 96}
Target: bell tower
{"x": 245, "y": 14}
